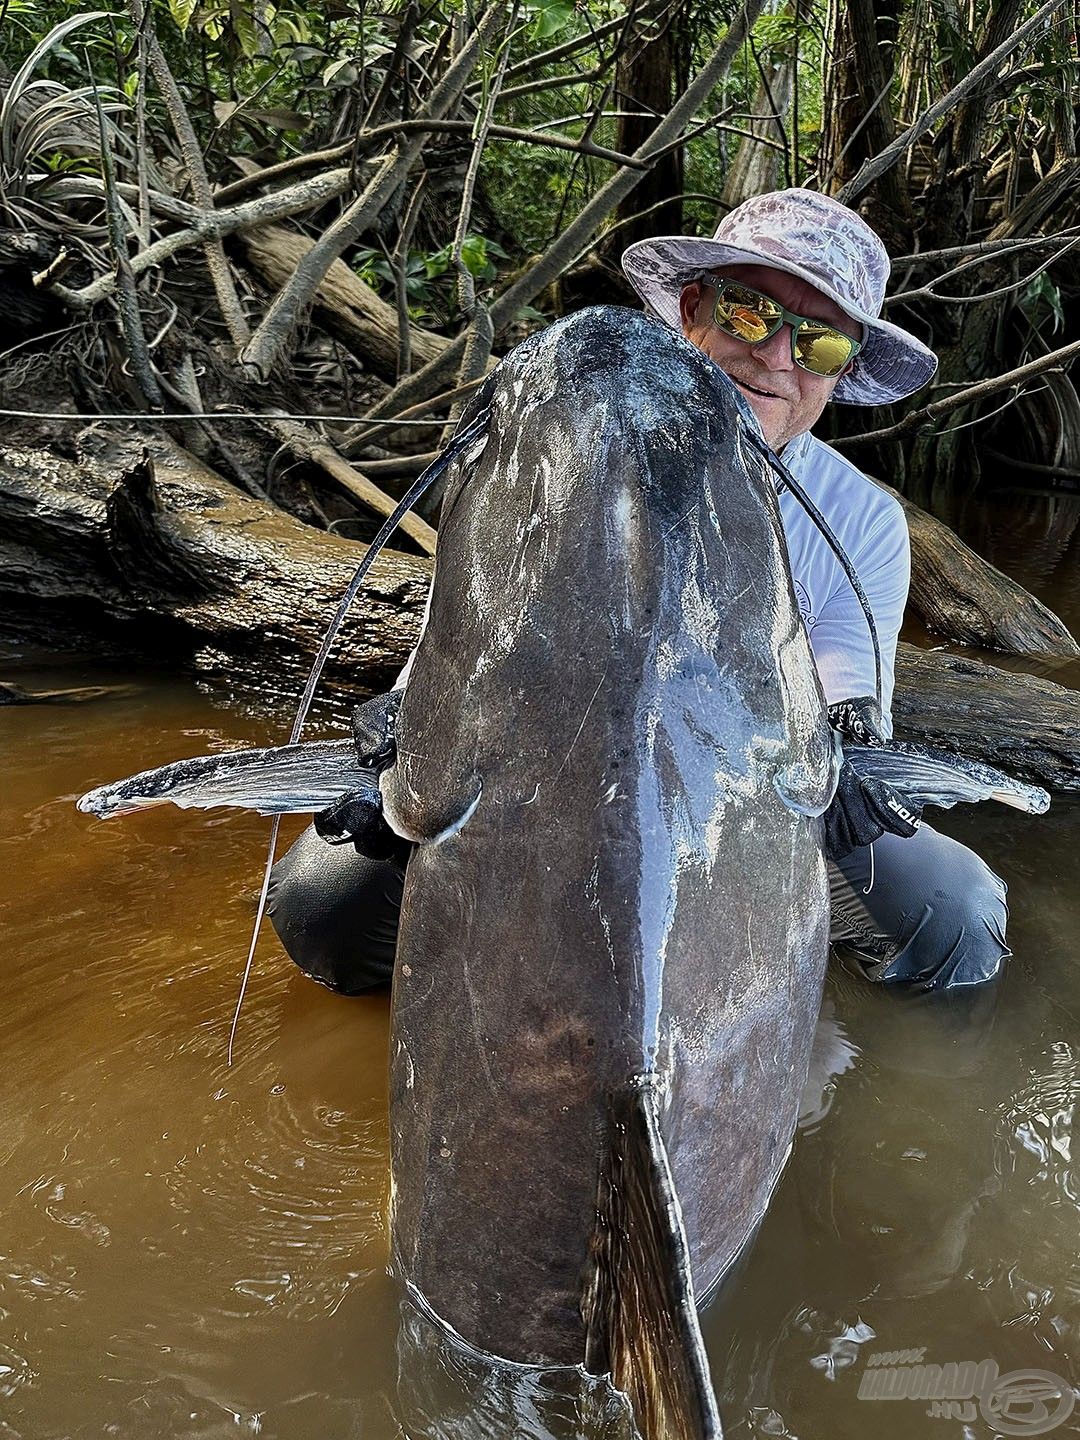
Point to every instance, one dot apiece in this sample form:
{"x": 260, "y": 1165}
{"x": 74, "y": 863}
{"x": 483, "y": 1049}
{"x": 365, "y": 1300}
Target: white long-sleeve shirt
{"x": 872, "y": 528}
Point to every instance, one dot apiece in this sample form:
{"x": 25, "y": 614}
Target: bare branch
{"x": 295, "y": 165}
{"x": 216, "y": 260}
{"x": 985, "y": 249}
{"x": 383, "y": 429}
{"x": 929, "y": 291}
{"x": 399, "y": 263}
{"x": 466, "y": 285}
{"x": 301, "y": 441}
{"x": 501, "y": 132}
{"x": 216, "y": 223}
{"x": 581, "y": 229}
{"x": 556, "y": 82}
{"x": 565, "y": 49}
{"x": 128, "y": 300}
{"x": 923, "y": 418}
{"x": 1063, "y": 471}
{"x": 262, "y": 352}
{"x": 873, "y": 169}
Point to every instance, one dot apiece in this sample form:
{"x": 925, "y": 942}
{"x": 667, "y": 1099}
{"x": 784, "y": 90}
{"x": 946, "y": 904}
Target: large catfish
{"x": 610, "y": 964}
{"x": 613, "y": 753}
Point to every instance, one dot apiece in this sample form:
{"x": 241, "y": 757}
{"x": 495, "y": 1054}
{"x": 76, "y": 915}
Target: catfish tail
{"x": 638, "y": 1304}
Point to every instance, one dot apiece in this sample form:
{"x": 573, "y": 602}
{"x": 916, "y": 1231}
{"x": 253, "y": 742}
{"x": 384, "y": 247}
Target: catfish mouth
{"x": 443, "y": 826}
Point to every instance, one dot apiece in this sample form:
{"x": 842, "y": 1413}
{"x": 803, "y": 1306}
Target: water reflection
{"x": 449, "y": 1391}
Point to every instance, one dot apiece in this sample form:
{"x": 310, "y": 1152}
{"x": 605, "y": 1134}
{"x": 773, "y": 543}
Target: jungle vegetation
{"x": 323, "y": 215}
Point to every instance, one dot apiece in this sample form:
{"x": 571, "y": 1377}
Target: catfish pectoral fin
{"x": 283, "y": 780}
{"x": 638, "y": 1305}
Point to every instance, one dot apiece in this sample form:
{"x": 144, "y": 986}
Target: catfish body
{"x": 614, "y": 729}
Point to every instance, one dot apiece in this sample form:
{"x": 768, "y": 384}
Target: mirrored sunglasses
{"x": 750, "y": 316}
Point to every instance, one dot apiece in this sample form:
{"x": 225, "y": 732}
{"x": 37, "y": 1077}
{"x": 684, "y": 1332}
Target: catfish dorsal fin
{"x": 638, "y": 1302}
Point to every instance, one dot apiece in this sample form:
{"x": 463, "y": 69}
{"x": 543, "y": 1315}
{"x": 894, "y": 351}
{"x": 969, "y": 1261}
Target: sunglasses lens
{"x": 745, "y": 314}
{"x": 821, "y": 349}
{"x": 753, "y": 317}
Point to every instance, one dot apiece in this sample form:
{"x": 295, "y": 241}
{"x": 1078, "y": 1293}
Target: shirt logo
{"x": 802, "y": 599}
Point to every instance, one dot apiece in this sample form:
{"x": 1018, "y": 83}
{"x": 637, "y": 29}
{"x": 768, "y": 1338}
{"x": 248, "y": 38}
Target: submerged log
{"x": 75, "y": 695}
{"x": 963, "y": 597}
{"x": 1027, "y": 725}
{"x": 155, "y": 552}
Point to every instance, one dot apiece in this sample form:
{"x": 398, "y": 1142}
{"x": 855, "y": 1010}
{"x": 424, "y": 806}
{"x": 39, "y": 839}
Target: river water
{"x": 193, "y": 1250}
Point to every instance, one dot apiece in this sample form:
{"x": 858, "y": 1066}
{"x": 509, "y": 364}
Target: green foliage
{"x": 1041, "y": 303}
{"x": 42, "y": 121}
{"x": 430, "y": 278}
{"x": 548, "y": 17}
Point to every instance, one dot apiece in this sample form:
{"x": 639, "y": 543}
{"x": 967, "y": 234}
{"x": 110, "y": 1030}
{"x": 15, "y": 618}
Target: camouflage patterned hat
{"x": 816, "y": 239}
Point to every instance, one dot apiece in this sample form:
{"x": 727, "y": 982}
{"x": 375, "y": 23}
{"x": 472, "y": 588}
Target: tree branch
{"x": 930, "y": 293}
{"x": 563, "y": 50}
{"x": 923, "y": 418}
{"x": 216, "y": 259}
{"x": 873, "y": 169}
{"x": 502, "y": 132}
{"x": 302, "y": 442}
{"x": 982, "y": 249}
{"x": 217, "y": 223}
{"x": 262, "y": 352}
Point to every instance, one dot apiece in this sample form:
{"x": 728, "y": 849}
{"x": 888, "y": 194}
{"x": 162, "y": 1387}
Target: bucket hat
{"x": 816, "y": 239}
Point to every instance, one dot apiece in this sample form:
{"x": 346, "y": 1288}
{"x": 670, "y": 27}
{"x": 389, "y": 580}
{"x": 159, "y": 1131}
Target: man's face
{"x": 785, "y": 398}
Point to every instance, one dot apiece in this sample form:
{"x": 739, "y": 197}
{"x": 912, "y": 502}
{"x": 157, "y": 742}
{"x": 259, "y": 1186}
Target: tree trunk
{"x": 645, "y": 81}
{"x": 758, "y": 167}
{"x": 960, "y": 595}
{"x": 859, "y": 119}
{"x": 1028, "y": 727}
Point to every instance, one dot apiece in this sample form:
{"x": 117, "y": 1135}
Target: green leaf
{"x": 474, "y": 254}
{"x": 182, "y": 11}
{"x": 244, "y": 27}
{"x": 1040, "y": 295}
{"x": 549, "y": 17}
{"x": 339, "y": 74}
{"x": 278, "y": 118}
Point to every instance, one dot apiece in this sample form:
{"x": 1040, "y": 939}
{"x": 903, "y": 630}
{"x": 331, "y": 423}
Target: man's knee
{"x": 336, "y": 913}
{"x": 956, "y": 937}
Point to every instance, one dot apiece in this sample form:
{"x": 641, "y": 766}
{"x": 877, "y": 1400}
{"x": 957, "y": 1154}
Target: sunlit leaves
{"x": 182, "y": 11}
{"x": 548, "y": 17}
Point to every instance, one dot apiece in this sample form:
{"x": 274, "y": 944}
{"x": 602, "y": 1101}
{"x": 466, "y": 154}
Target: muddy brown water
{"x": 189, "y": 1250}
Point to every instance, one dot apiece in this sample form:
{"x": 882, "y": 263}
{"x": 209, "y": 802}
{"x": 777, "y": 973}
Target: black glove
{"x": 373, "y": 726}
{"x": 358, "y": 815}
{"x": 859, "y": 720}
{"x": 862, "y": 811}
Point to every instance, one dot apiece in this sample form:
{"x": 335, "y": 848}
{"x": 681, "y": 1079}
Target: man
{"x": 922, "y": 911}
{"x": 786, "y": 299}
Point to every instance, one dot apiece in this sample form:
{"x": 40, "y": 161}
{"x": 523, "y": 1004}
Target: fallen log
{"x": 75, "y": 695}
{"x": 964, "y": 598}
{"x": 1028, "y": 726}
{"x": 161, "y": 556}
{"x": 344, "y": 305}
{"x": 155, "y": 550}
